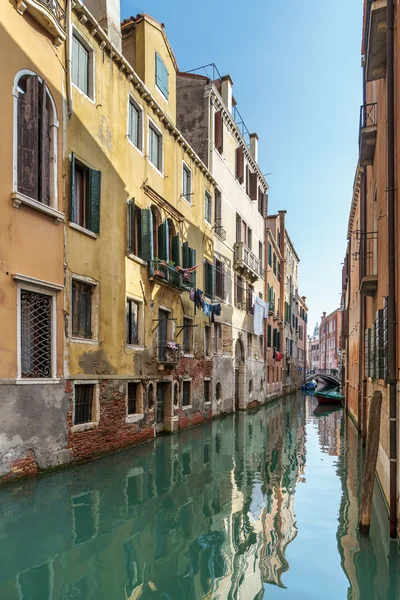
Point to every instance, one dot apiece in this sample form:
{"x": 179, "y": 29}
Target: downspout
{"x": 68, "y": 52}
{"x": 363, "y": 299}
{"x": 392, "y": 358}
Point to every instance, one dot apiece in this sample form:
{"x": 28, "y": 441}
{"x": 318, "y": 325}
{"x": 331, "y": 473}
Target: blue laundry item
{"x": 207, "y": 309}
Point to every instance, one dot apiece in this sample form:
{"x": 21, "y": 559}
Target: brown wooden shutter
{"x": 44, "y": 150}
{"x": 239, "y": 164}
{"x": 247, "y": 180}
{"x": 265, "y": 207}
{"x": 253, "y": 186}
{"x": 218, "y": 131}
{"x": 28, "y": 139}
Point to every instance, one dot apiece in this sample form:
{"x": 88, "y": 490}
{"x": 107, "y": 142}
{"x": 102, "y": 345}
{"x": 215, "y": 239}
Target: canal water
{"x": 253, "y": 506}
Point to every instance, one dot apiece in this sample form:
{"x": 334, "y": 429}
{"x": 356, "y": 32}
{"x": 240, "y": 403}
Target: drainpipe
{"x": 68, "y": 51}
{"x": 392, "y": 359}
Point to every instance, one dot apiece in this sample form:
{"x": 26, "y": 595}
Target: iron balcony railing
{"x": 220, "y": 232}
{"x": 171, "y": 275}
{"x": 245, "y": 258}
{"x": 54, "y": 7}
{"x": 367, "y": 115}
{"x": 261, "y": 271}
{"x": 168, "y": 353}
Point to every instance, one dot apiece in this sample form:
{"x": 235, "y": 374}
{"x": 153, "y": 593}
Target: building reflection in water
{"x": 209, "y": 513}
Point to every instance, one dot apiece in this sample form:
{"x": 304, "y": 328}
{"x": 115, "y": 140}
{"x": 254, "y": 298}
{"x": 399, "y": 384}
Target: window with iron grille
{"x": 132, "y": 322}
{"x": 36, "y": 330}
{"x": 187, "y": 335}
{"x": 219, "y": 278}
{"x": 207, "y": 389}
{"x": 82, "y": 309}
{"x": 186, "y": 393}
{"x": 83, "y": 409}
{"x": 132, "y": 397}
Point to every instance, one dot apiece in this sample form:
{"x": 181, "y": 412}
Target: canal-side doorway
{"x": 164, "y": 406}
{"x": 240, "y": 375}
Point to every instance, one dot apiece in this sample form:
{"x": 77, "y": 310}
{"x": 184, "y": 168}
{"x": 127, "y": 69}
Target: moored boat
{"x": 329, "y": 397}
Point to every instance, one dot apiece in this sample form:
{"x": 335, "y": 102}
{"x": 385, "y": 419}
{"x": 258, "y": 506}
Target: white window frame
{"x": 185, "y": 167}
{"x": 18, "y": 197}
{"x": 91, "y": 96}
{"x": 208, "y": 196}
{"x": 139, "y": 108}
{"x": 140, "y": 303}
{"x": 190, "y": 405}
{"x": 94, "y": 340}
{"x": 152, "y": 125}
{"x": 48, "y": 289}
{"x": 93, "y": 424}
{"x": 135, "y": 417}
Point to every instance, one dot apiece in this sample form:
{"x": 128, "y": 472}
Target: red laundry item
{"x": 278, "y": 356}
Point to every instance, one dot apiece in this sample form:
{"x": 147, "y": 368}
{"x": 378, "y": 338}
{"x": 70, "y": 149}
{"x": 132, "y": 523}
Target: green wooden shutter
{"x": 209, "y": 279}
{"x": 185, "y": 255}
{"x": 147, "y": 234}
{"x": 72, "y": 205}
{"x": 162, "y": 241}
{"x": 130, "y": 226}
{"x": 176, "y": 250}
{"x": 278, "y": 339}
{"x": 270, "y": 255}
{"x": 165, "y": 80}
{"x": 93, "y": 201}
{"x": 192, "y": 263}
{"x": 269, "y": 336}
{"x": 158, "y": 71}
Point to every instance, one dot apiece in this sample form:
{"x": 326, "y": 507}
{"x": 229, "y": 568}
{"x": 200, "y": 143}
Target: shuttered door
{"x": 73, "y": 190}
{"x": 93, "y": 201}
{"x": 269, "y": 336}
{"x": 28, "y": 139}
{"x": 45, "y": 150}
{"x": 176, "y": 250}
{"x": 130, "y": 226}
{"x": 162, "y": 333}
{"x": 185, "y": 255}
{"x": 147, "y": 234}
{"x": 162, "y": 241}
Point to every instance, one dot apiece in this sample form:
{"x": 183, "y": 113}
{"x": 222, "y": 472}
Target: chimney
{"x": 226, "y": 91}
{"x": 254, "y": 146}
{"x": 108, "y": 15}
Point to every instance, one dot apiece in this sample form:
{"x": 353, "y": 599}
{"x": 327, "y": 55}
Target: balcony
{"x": 245, "y": 261}
{"x": 170, "y": 275}
{"x": 367, "y": 136}
{"x": 50, "y": 15}
{"x": 368, "y": 250}
{"x": 261, "y": 271}
{"x": 220, "y": 232}
{"x": 169, "y": 353}
{"x": 375, "y": 40}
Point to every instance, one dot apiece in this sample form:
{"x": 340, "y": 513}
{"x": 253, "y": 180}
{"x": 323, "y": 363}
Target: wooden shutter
{"x": 270, "y": 254}
{"x": 161, "y": 75}
{"x": 192, "y": 263}
{"x": 162, "y": 241}
{"x": 278, "y": 339}
{"x": 217, "y": 212}
{"x": 147, "y": 234}
{"x": 44, "y": 150}
{"x": 247, "y": 180}
{"x": 176, "y": 250}
{"x": 130, "y": 226}
{"x": 165, "y": 80}
{"x": 269, "y": 330}
{"x": 238, "y": 228}
{"x": 28, "y": 139}
{"x": 93, "y": 201}
{"x": 209, "y": 279}
{"x": 253, "y": 186}
{"x": 239, "y": 164}
{"x": 218, "y": 131}
{"x": 185, "y": 255}
{"x": 72, "y": 200}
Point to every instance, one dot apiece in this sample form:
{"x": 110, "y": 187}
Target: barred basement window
{"x": 84, "y": 396}
{"x": 81, "y": 309}
{"x": 36, "y": 334}
{"x": 186, "y": 393}
{"x": 132, "y": 398}
{"x": 207, "y": 386}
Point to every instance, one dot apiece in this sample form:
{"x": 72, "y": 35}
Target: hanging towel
{"x": 266, "y": 310}
{"x": 198, "y": 298}
{"x": 258, "y": 316}
{"x": 207, "y": 309}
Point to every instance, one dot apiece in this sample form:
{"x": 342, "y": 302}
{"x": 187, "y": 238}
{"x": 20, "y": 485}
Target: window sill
{"x": 82, "y": 93}
{"x": 188, "y": 355}
{"x": 134, "y": 347}
{"x": 84, "y": 427}
{"x": 208, "y": 403}
{"x": 19, "y": 199}
{"x": 83, "y": 230}
{"x": 134, "y": 418}
{"x": 135, "y": 258}
{"x": 44, "y": 381}
{"x": 140, "y": 150}
{"x": 90, "y": 341}
{"x": 156, "y": 168}
{"x": 187, "y": 407}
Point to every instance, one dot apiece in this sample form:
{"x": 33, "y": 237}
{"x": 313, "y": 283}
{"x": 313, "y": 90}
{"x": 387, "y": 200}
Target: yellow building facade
{"x": 136, "y": 346}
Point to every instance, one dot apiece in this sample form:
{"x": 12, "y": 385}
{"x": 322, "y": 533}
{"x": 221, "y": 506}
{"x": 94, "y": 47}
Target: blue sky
{"x": 297, "y": 81}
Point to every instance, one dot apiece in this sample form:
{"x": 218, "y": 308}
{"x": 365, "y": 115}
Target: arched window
{"x": 35, "y": 154}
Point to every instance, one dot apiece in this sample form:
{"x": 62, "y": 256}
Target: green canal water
{"x": 254, "y": 506}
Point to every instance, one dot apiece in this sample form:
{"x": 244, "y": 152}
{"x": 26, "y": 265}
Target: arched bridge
{"x": 330, "y": 375}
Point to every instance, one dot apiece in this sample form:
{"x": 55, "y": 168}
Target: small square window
{"x": 84, "y": 397}
{"x": 155, "y": 147}
{"x": 186, "y": 390}
{"x": 135, "y": 121}
{"x": 207, "y": 389}
{"x": 208, "y": 207}
{"x": 82, "y": 66}
{"x": 132, "y": 322}
{"x": 187, "y": 183}
{"x": 133, "y": 388}
{"x": 82, "y": 296}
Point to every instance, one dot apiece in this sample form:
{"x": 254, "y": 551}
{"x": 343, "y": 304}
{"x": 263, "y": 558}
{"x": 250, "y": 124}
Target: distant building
{"x": 329, "y": 335}
{"x": 313, "y": 349}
